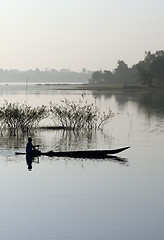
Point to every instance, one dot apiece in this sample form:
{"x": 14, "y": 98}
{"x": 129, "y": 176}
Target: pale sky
{"x": 76, "y": 34}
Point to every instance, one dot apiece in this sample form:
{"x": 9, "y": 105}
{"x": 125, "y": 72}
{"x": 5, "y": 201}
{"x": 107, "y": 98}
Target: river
{"x": 86, "y": 199}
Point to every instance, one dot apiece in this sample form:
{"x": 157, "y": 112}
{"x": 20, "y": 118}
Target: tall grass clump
{"x": 15, "y": 117}
{"x": 78, "y": 115}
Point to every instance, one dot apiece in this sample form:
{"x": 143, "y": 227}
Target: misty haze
{"x": 81, "y": 120}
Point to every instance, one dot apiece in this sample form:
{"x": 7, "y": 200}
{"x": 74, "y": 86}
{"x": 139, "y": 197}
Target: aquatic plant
{"x": 74, "y": 115}
{"x": 79, "y": 115}
{"x": 15, "y": 117}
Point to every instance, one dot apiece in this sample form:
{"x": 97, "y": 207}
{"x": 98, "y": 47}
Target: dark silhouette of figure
{"x": 29, "y": 160}
{"x": 31, "y": 149}
{"x": 31, "y": 152}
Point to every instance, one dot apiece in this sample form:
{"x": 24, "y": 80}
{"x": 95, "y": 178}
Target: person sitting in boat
{"x": 31, "y": 149}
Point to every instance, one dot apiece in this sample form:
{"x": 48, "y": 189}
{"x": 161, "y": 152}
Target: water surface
{"x": 65, "y": 198}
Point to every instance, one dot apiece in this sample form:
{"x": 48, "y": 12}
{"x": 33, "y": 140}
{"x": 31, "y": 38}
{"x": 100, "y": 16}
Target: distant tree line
{"x": 149, "y": 72}
{"x": 47, "y": 75}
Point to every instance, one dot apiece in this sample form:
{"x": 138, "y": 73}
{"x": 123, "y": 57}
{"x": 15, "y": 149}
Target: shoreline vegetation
{"x": 99, "y": 87}
{"x": 79, "y": 86}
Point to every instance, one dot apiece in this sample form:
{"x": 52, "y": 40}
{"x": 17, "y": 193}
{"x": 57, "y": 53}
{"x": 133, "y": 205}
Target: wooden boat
{"x": 81, "y": 154}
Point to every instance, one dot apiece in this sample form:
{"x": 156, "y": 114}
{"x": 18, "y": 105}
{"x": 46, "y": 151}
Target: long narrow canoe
{"x": 82, "y": 154}
{"x": 85, "y": 154}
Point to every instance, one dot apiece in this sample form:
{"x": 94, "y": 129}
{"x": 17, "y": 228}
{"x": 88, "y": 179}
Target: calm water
{"x": 64, "y": 198}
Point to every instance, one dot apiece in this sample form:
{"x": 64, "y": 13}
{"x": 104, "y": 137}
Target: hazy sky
{"x": 76, "y": 34}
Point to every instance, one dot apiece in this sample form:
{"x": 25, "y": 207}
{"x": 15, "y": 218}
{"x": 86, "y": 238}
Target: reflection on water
{"x": 115, "y": 159}
{"x": 66, "y": 198}
{"x": 69, "y": 140}
{"x": 151, "y": 102}
{"x": 58, "y": 141}
{"x": 30, "y": 160}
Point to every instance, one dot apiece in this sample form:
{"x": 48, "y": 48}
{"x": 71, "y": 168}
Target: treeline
{"x": 149, "y": 72}
{"x": 48, "y": 75}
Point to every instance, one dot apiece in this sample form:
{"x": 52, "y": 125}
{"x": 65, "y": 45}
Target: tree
{"x": 84, "y": 71}
{"x": 108, "y": 77}
{"x": 149, "y": 67}
{"x": 121, "y": 72}
{"x": 144, "y": 74}
{"x": 144, "y": 69}
{"x": 97, "y": 77}
{"x": 157, "y": 70}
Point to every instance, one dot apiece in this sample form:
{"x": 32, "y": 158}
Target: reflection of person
{"x": 31, "y": 149}
{"x": 29, "y": 160}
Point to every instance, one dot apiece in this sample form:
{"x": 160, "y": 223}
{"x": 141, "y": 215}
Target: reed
{"x": 15, "y": 117}
{"x": 72, "y": 115}
{"x": 77, "y": 115}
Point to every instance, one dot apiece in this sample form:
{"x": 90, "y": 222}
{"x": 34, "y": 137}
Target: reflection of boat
{"x": 82, "y": 154}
